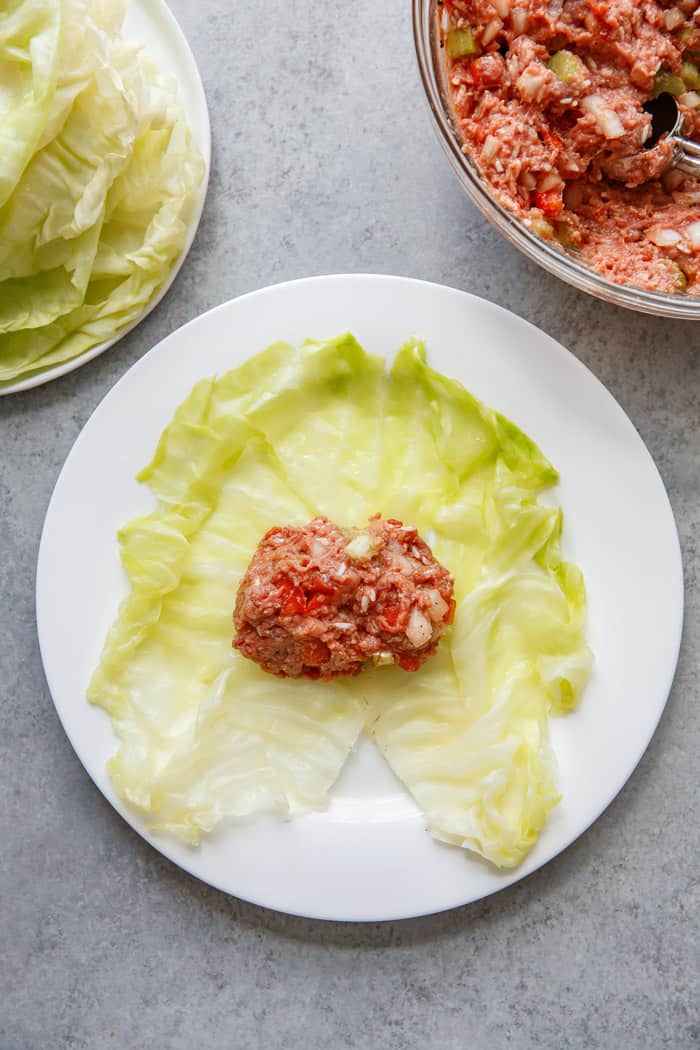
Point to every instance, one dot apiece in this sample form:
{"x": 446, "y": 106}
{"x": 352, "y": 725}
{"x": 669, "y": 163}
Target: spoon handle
{"x": 686, "y": 156}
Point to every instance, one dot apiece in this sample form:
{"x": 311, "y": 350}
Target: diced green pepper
{"x": 541, "y": 227}
{"x": 665, "y": 81}
{"x": 691, "y": 75}
{"x": 564, "y": 234}
{"x": 566, "y": 65}
{"x": 685, "y": 34}
{"x": 461, "y": 42}
{"x": 679, "y": 277}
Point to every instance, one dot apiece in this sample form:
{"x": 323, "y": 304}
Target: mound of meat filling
{"x": 549, "y": 99}
{"x": 318, "y": 601}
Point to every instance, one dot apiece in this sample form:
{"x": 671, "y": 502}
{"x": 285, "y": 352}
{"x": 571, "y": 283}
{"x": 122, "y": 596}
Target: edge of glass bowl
{"x": 551, "y": 259}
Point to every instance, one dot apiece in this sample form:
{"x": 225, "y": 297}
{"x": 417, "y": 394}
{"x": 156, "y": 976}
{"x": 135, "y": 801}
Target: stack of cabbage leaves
{"x": 98, "y": 179}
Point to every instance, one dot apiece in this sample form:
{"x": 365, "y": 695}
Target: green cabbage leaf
{"x": 29, "y": 56}
{"x": 206, "y": 735}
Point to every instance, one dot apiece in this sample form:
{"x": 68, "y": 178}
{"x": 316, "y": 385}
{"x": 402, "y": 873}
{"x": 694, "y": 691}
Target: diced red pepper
{"x": 407, "y": 662}
{"x": 551, "y": 139}
{"x": 284, "y": 586}
{"x": 296, "y": 604}
{"x": 319, "y": 586}
{"x": 316, "y": 601}
{"x": 294, "y": 601}
{"x": 550, "y": 202}
{"x": 392, "y": 615}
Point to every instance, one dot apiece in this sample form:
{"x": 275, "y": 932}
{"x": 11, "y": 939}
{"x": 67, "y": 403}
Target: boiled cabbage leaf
{"x": 30, "y": 32}
{"x": 206, "y": 735}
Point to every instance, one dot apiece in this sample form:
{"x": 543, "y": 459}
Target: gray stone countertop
{"x": 324, "y": 161}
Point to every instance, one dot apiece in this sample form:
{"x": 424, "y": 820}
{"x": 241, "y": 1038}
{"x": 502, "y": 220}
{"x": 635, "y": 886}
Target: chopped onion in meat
{"x": 664, "y": 238}
{"x": 491, "y": 31}
{"x": 490, "y": 148}
{"x": 673, "y": 18}
{"x": 318, "y": 547}
{"x": 605, "y": 117}
{"x": 438, "y": 606}
{"x": 529, "y": 83}
{"x": 360, "y": 547}
{"x": 419, "y": 632}
{"x": 692, "y": 234}
{"x": 552, "y": 180}
{"x": 404, "y": 563}
{"x": 520, "y": 19}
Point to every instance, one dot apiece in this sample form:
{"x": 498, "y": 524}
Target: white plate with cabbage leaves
{"x": 106, "y": 147}
{"x": 482, "y": 742}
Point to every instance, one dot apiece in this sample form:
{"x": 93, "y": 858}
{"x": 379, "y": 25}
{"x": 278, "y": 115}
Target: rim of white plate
{"x": 531, "y": 864}
{"x": 193, "y": 97}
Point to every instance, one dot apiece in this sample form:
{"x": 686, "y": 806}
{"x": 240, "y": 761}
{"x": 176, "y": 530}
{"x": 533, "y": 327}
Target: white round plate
{"x": 369, "y": 857}
{"x": 152, "y": 23}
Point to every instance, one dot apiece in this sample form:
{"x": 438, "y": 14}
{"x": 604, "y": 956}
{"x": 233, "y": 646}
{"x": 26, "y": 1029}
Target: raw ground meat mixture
{"x": 548, "y": 97}
{"x": 319, "y": 601}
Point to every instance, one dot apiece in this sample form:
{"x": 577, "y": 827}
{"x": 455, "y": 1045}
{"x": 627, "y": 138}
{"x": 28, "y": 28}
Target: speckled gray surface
{"x": 324, "y": 161}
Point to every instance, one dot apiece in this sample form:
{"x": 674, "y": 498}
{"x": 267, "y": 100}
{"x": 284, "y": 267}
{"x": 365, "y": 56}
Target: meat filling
{"x": 318, "y": 601}
{"x": 549, "y": 98}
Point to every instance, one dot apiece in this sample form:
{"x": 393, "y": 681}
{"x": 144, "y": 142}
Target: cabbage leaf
{"x": 206, "y": 735}
{"x": 29, "y": 55}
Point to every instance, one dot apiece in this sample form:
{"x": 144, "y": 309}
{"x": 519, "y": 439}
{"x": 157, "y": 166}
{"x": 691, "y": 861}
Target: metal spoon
{"x": 666, "y": 118}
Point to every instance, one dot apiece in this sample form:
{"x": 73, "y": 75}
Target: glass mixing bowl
{"x": 548, "y": 254}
